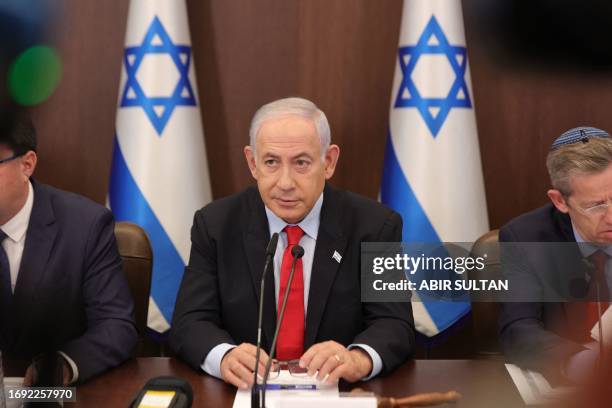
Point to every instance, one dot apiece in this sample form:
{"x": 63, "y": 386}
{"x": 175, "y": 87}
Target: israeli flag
{"x": 432, "y": 172}
{"x": 159, "y": 175}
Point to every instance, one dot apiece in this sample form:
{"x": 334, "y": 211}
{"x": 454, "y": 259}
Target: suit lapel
{"x": 40, "y": 237}
{"x": 564, "y": 224}
{"x": 255, "y": 240}
{"x": 324, "y": 268}
{"x": 574, "y": 311}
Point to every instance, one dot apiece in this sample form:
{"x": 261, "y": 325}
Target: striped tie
{"x": 598, "y": 277}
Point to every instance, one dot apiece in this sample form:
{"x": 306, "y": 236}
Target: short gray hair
{"x": 292, "y": 106}
{"x": 579, "y": 158}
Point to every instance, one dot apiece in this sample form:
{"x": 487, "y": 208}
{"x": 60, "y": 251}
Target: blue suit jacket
{"x": 71, "y": 294}
{"x": 541, "y": 335}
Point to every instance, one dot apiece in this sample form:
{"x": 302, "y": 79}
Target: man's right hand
{"x": 238, "y": 365}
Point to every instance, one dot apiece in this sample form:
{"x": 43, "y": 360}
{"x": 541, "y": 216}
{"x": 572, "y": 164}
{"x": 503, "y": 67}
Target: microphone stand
{"x": 599, "y": 325}
{"x": 297, "y": 252}
{"x": 270, "y": 251}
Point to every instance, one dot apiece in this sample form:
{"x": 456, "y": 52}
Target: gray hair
{"x": 578, "y": 158}
{"x": 292, "y": 106}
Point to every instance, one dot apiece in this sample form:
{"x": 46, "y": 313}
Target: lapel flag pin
{"x": 337, "y": 256}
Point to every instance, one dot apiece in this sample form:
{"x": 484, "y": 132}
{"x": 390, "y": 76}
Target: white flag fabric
{"x": 432, "y": 173}
{"x": 159, "y": 174}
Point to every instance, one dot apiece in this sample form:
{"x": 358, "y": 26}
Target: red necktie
{"x": 290, "y": 343}
{"x": 599, "y": 259}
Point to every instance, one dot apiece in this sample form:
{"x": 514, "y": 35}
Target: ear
{"x": 558, "y": 200}
{"x": 28, "y": 163}
{"x": 331, "y": 159}
{"x": 249, "y": 155}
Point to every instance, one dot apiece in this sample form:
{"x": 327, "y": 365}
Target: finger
{"x": 316, "y": 363}
{"x": 340, "y": 371}
{"x": 263, "y": 360}
{"x": 245, "y": 373}
{"x": 330, "y": 364}
{"x": 28, "y": 379}
{"x": 263, "y": 356}
{"x": 233, "y": 379}
{"x": 248, "y": 348}
{"x": 248, "y": 360}
{"x": 232, "y": 368}
{"x": 309, "y": 354}
{"x": 242, "y": 372}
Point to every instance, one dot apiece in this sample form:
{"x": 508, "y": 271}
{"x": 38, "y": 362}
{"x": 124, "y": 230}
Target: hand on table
{"x": 28, "y": 379}
{"x": 238, "y": 365}
{"x": 336, "y": 361}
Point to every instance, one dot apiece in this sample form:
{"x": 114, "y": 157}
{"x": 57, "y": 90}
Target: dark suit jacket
{"x": 71, "y": 294}
{"x": 541, "y": 335}
{"x": 218, "y": 298}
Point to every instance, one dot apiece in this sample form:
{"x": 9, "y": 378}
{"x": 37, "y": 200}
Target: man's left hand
{"x": 334, "y": 361}
{"x": 28, "y": 379}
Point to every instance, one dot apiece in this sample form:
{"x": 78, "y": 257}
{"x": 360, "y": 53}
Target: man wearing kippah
{"x": 543, "y": 335}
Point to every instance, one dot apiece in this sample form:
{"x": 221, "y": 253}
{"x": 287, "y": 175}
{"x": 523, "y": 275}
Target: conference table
{"x": 483, "y": 383}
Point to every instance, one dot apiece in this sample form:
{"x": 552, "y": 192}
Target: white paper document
{"x": 533, "y": 387}
{"x": 12, "y": 382}
{"x": 606, "y": 324}
{"x": 323, "y": 390}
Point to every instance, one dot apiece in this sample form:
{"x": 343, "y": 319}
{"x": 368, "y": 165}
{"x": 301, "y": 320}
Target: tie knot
{"x": 294, "y": 234}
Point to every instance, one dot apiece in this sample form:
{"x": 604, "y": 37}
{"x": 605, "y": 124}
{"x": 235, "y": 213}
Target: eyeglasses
{"x": 8, "y": 159}
{"x": 293, "y": 366}
{"x": 595, "y": 210}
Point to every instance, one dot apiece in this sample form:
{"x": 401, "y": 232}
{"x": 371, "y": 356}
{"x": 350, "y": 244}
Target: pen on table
{"x": 291, "y": 387}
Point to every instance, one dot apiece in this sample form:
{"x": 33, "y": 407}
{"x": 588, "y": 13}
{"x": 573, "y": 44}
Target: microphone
{"x": 297, "y": 252}
{"x": 175, "y": 392}
{"x": 270, "y": 251}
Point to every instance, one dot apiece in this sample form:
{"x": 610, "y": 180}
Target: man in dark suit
{"x": 325, "y": 326}
{"x": 61, "y": 282}
{"x": 547, "y": 335}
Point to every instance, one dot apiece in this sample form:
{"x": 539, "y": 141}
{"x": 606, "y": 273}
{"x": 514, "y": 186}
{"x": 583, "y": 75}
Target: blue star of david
{"x": 433, "y": 110}
{"x": 158, "y": 108}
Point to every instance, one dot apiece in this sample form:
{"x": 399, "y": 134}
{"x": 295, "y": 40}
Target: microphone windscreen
{"x": 178, "y": 393}
{"x": 297, "y": 251}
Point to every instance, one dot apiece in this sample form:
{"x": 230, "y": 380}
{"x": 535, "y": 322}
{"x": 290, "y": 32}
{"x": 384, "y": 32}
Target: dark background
{"x": 340, "y": 54}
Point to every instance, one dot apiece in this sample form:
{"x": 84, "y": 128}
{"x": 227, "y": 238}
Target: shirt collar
{"x": 16, "y": 227}
{"x": 310, "y": 223}
{"x": 588, "y": 248}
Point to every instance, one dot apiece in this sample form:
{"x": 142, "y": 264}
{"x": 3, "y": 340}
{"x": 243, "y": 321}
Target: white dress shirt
{"x": 15, "y": 230}
{"x": 310, "y": 226}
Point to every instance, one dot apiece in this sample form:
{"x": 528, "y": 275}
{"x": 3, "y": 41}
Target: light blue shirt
{"x": 310, "y": 226}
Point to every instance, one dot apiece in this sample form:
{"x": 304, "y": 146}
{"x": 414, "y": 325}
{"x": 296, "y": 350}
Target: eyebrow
{"x": 296, "y": 157}
{"x": 592, "y": 203}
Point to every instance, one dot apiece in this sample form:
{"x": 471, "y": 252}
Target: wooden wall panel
{"x": 341, "y": 54}
{"x": 76, "y": 125}
{"x": 244, "y": 53}
{"x": 521, "y": 108}
{"x": 347, "y": 54}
